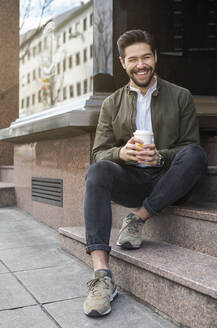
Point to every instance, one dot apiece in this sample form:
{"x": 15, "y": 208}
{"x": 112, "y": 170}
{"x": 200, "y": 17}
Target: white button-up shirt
{"x": 143, "y": 111}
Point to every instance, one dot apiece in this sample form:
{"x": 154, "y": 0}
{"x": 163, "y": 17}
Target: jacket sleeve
{"x": 188, "y": 129}
{"x": 105, "y": 147}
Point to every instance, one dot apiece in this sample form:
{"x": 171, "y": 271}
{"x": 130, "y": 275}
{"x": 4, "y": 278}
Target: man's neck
{"x": 144, "y": 90}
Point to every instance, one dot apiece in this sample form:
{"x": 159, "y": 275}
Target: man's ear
{"x": 122, "y": 62}
{"x": 155, "y": 57}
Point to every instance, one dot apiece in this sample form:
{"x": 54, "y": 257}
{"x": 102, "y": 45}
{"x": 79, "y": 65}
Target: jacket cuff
{"x": 116, "y": 155}
{"x": 166, "y": 158}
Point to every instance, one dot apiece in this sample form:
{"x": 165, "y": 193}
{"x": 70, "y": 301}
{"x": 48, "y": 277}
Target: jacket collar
{"x": 155, "y": 93}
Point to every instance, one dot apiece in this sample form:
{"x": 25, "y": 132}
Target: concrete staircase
{"x": 7, "y": 188}
{"x": 175, "y": 271}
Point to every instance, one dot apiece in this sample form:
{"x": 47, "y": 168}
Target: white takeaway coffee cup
{"x": 144, "y": 135}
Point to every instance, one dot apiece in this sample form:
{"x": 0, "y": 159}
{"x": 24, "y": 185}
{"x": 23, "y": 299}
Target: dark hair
{"x": 134, "y": 36}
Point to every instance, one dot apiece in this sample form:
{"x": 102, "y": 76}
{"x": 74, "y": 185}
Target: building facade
{"x": 56, "y": 62}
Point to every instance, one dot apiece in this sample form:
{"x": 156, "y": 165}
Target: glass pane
{"x": 56, "y": 53}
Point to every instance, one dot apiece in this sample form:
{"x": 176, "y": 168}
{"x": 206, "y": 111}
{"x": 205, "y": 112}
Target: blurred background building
{"x": 56, "y": 61}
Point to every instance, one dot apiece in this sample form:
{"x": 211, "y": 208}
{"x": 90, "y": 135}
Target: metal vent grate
{"x": 48, "y": 190}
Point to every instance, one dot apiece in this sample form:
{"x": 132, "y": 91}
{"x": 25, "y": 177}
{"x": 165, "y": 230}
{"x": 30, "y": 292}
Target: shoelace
{"x": 93, "y": 284}
{"x": 132, "y": 226}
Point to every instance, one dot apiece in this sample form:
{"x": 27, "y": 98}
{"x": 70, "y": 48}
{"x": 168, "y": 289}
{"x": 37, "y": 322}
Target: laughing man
{"x": 149, "y": 178}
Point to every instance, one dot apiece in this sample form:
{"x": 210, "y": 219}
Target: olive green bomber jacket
{"x": 173, "y": 115}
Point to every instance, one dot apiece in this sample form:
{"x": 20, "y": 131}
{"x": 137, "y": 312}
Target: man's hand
{"x": 143, "y": 154}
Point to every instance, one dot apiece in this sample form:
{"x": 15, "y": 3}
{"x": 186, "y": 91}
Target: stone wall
{"x": 9, "y": 77}
{"x": 65, "y": 158}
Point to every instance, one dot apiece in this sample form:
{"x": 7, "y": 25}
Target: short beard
{"x": 142, "y": 85}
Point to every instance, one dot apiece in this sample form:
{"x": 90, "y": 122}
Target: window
{"x": 27, "y": 102}
{"x": 85, "y": 86}
{"x": 58, "y": 68}
{"x": 71, "y": 91}
{"x": 39, "y": 96}
{"x": 58, "y": 95}
{"x": 91, "y": 83}
{"x": 64, "y": 64}
{"x": 28, "y": 55}
{"x": 64, "y": 37}
{"x": 58, "y": 40}
{"x": 70, "y": 33}
{"x": 78, "y": 86}
{"x": 70, "y": 62}
{"x": 64, "y": 93}
{"x": 28, "y": 78}
{"x": 39, "y": 72}
{"x": 34, "y": 75}
{"x": 23, "y": 81}
{"x": 34, "y": 51}
{"x": 33, "y": 99}
{"x": 85, "y": 55}
{"x": 22, "y": 103}
{"x": 78, "y": 59}
{"x": 39, "y": 47}
{"x": 91, "y": 51}
{"x": 77, "y": 27}
{"x": 84, "y": 24}
{"x": 91, "y": 19}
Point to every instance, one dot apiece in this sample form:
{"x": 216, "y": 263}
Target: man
{"x": 148, "y": 178}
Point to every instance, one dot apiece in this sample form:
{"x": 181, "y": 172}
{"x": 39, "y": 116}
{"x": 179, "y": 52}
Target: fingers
{"x": 150, "y": 146}
{"x": 135, "y": 150}
{"x": 149, "y": 157}
{"x": 135, "y": 147}
{"x": 134, "y": 140}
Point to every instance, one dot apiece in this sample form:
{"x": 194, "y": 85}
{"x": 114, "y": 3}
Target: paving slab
{"x": 34, "y": 237}
{"x": 9, "y": 212}
{"x": 58, "y": 283}
{"x": 34, "y": 257}
{"x": 9, "y": 225}
{"x": 48, "y": 275}
{"x": 126, "y": 312}
{"x": 17, "y": 220}
{"x": 3, "y": 268}
{"x": 27, "y": 317}
{"x": 14, "y": 212}
{"x": 12, "y": 294}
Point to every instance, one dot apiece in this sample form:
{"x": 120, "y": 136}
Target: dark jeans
{"x": 153, "y": 187}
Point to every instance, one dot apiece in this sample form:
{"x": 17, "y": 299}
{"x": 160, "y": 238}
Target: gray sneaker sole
{"x": 96, "y": 314}
{"x": 127, "y": 245}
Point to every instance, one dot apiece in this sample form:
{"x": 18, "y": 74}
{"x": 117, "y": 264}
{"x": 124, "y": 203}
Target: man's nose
{"x": 140, "y": 62}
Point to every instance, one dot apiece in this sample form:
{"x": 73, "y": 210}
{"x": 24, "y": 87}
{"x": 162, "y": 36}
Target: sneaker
{"x": 102, "y": 291}
{"x": 130, "y": 235}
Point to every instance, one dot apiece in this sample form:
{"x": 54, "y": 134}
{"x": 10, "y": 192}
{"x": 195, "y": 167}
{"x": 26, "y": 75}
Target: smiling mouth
{"x": 142, "y": 73}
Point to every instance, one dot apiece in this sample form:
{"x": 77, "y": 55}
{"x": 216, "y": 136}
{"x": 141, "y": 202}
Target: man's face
{"x": 139, "y": 63}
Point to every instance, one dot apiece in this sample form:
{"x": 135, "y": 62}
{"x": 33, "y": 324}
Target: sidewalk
{"x": 41, "y": 286}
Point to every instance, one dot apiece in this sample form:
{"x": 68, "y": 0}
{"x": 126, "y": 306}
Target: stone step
{"x": 178, "y": 282}
{"x": 191, "y": 226}
{"x": 206, "y": 189}
{"x": 7, "y": 194}
{"x": 6, "y": 173}
{"x": 209, "y": 143}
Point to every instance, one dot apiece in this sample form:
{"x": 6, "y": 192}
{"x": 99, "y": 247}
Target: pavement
{"x": 42, "y": 286}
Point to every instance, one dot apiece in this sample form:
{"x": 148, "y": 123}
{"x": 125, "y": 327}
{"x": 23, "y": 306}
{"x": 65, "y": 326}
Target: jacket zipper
{"x": 133, "y": 113}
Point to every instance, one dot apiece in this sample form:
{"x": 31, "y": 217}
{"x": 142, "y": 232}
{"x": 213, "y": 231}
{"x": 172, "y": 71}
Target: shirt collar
{"x": 150, "y": 90}
{"x": 155, "y": 93}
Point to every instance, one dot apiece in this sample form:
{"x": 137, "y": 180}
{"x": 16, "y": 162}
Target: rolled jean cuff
{"x": 94, "y": 247}
{"x": 149, "y": 208}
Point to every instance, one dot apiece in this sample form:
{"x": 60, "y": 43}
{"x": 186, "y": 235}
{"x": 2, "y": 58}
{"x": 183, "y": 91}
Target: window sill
{"x": 74, "y": 119}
